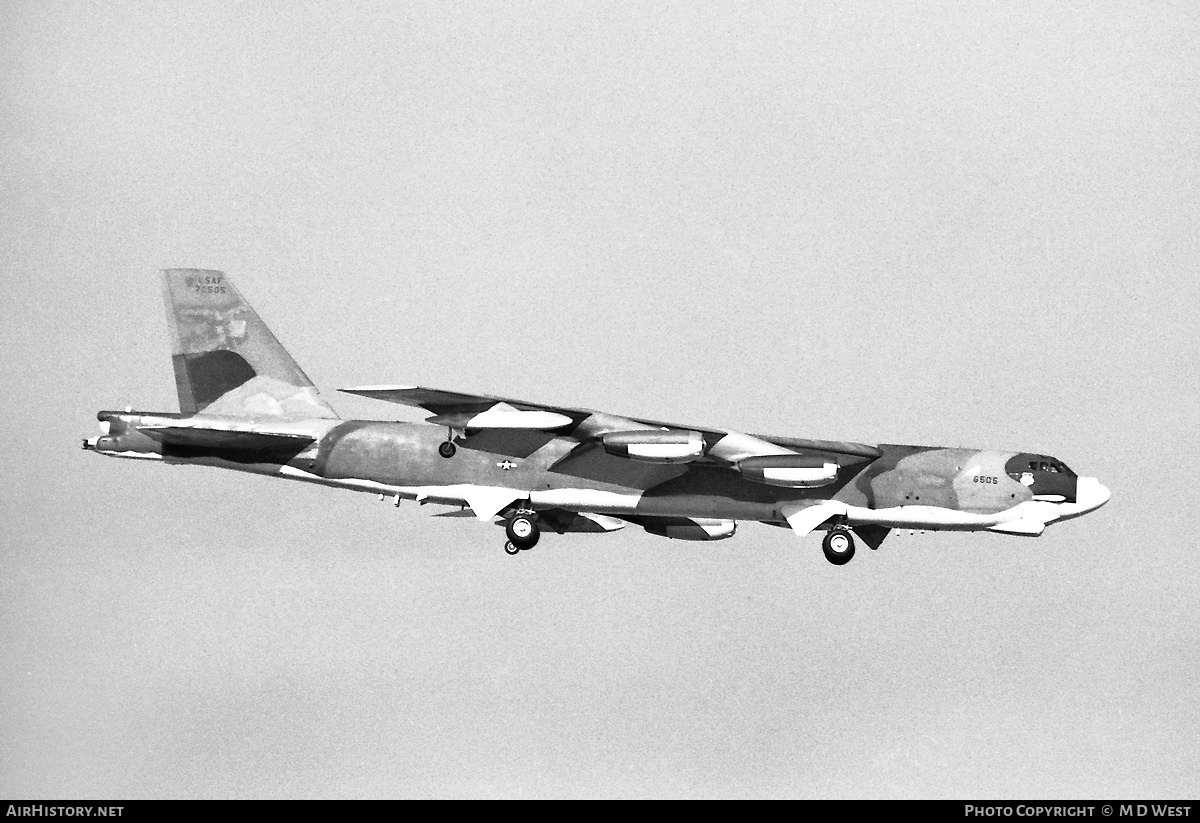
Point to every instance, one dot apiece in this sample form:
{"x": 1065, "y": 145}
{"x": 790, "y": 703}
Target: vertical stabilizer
{"x": 226, "y": 360}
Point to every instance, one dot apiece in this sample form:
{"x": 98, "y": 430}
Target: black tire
{"x": 838, "y": 546}
{"x": 523, "y": 531}
{"x": 509, "y": 548}
{"x": 447, "y": 449}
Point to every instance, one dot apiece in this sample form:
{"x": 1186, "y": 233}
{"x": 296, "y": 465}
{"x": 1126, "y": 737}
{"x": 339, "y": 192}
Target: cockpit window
{"x": 1049, "y": 466}
{"x": 1039, "y": 464}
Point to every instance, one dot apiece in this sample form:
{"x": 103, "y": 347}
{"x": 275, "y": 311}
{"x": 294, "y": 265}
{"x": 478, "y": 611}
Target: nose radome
{"x": 1091, "y": 494}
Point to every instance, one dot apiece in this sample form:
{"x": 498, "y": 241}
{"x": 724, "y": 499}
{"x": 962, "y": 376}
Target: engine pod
{"x": 690, "y": 528}
{"x": 792, "y": 471}
{"x": 655, "y": 445}
{"x": 498, "y": 418}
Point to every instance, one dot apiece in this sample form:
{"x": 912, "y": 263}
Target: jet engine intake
{"x": 655, "y": 445}
{"x": 789, "y": 471}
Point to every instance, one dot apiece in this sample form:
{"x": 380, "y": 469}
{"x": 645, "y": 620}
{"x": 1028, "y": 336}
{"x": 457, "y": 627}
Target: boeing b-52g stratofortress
{"x": 245, "y": 405}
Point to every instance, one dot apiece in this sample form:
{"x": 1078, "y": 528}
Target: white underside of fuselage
{"x": 1030, "y": 517}
{"x": 1026, "y": 518}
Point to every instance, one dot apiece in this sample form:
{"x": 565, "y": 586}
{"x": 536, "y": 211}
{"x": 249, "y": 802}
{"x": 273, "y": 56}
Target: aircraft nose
{"x": 1091, "y": 494}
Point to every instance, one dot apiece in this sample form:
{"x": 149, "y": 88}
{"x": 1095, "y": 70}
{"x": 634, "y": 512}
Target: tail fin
{"x": 226, "y": 359}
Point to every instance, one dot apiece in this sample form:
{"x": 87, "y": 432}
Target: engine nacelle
{"x": 792, "y": 471}
{"x": 563, "y": 521}
{"x": 495, "y": 418}
{"x": 655, "y": 445}
{"x": 691, "y": 528}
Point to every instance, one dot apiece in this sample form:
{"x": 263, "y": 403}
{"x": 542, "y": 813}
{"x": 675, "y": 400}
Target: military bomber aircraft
{"x": 246, "y": 405}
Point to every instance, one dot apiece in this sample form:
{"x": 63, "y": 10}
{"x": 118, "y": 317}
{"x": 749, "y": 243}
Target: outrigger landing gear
{"x": 523, "y": 532}
{"x": 447, "y": 449}
{"x": 838, "y": 545}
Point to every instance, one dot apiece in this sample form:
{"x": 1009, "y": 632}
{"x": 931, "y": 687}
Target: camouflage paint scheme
{"x": 246, "y": 405}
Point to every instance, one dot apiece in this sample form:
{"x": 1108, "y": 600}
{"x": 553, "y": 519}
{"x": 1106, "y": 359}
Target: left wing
{"x": 505, "y": 425}
{"x": 466, "y": 407}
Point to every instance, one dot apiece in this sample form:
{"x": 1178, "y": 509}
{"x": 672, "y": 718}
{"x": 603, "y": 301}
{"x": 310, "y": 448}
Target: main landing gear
{"x": 447, "y": 447}
{"x": 523, "y": 532}
{"x": 838, "y": 545}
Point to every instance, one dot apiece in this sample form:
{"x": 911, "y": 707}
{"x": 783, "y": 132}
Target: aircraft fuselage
{"x": 908, "y": 486}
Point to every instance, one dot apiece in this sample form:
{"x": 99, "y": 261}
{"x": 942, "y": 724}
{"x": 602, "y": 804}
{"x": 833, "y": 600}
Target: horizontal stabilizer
{"x": 223, "y": 439}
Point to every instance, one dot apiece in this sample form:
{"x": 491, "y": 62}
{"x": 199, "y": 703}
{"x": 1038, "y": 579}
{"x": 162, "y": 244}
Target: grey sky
{"x": 953, "y": 224}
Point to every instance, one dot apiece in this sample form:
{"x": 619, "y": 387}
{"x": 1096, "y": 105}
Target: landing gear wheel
{"x": 838, "y": 546}
{"x": 447, "y": 449}
{"x": 523, "y": 532}
{"x": 509, "y": 548}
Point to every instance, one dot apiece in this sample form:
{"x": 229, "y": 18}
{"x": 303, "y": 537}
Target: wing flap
{"x": 803, "y": 445}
